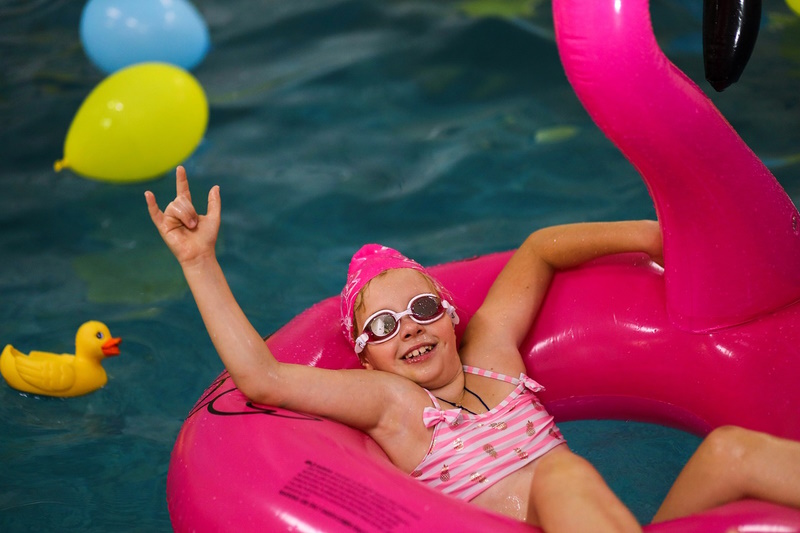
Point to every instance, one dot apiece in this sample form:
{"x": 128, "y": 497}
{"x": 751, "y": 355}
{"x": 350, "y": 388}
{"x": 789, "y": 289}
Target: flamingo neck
{"x": 731, "y": 233}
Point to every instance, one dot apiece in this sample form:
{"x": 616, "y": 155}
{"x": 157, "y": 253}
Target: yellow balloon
{"x": 136, "y": 124}
{"x": 795, "y": 5}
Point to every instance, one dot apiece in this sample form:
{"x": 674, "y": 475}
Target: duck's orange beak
{"x": 111, "y": 346}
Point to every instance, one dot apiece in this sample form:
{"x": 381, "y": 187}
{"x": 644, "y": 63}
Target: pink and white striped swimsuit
{"x": 470, "y": 453}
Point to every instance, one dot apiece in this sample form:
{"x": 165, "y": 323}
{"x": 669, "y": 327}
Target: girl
{"x": 464, "y": 419}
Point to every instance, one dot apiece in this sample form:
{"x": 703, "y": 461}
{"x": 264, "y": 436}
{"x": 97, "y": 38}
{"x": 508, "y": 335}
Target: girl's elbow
{"x": 257, "y": 390}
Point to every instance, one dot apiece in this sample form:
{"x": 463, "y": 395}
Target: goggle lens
{"x": 381, "y": 326}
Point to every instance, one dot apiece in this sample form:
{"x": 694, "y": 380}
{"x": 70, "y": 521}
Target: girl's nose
{"x": 410, "y": 328}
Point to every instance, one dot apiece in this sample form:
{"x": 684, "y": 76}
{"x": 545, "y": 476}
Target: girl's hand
{"x": 188, "y": 235}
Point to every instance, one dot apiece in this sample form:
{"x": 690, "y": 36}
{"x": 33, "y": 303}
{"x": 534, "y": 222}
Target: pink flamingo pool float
{"x": 712, "y": 339}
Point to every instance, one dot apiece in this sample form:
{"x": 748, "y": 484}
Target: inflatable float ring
{"x": 685, "y": 346}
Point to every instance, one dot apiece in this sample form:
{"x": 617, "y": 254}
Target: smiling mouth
{"x": 417, "y": 353}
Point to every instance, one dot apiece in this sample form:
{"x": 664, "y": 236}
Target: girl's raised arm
{"x": 254, "y": 370}
{"x": 510, "y": 307}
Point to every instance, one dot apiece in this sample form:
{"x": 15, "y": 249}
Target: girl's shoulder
{"x": 401, "y": 392}
{"x": 501, "y": 360}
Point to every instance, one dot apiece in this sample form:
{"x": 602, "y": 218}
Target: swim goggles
{"x": 383, "y": 325}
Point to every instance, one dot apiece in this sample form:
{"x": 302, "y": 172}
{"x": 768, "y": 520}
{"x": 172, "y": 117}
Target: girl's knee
{"x": 726, "y": 445}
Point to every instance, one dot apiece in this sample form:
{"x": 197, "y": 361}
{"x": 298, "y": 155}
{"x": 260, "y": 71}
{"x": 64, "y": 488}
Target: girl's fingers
{"x": 214, "y": 203}
{"x": 182, "y": 183}
{"x": 152, "y": 207}
{"x": 182, "y": 209}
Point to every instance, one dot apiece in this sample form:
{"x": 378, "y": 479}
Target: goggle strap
{"x": 451, "y": 312}
{"x": 361, "y": 342}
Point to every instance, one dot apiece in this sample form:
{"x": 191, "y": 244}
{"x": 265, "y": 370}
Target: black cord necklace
{"x": 462, "y": 399}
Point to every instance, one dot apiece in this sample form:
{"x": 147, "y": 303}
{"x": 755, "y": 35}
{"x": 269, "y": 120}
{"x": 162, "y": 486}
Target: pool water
{"x": 446, "y": 129}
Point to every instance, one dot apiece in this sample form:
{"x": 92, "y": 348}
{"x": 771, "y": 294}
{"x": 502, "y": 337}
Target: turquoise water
{"x": 434, "y": 127}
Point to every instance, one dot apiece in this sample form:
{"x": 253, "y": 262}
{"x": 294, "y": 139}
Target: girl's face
{"x": 424, "y": 353}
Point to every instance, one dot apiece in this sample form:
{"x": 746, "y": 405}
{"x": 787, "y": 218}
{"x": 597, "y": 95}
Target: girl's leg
{"x": 731, "y": 464}
{"x": 569, "y": 495}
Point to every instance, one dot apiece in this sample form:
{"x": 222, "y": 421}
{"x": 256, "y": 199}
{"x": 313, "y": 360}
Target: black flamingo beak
{"x": 730, "y": 29}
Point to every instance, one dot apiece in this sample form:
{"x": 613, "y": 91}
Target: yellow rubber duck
{"x": 62, "y": 375}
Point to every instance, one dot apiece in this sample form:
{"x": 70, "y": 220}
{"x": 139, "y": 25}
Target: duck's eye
{"x": 99, "y": 335}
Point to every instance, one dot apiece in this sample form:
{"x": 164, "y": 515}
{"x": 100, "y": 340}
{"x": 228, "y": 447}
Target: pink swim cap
{"x": 370, "y": 261}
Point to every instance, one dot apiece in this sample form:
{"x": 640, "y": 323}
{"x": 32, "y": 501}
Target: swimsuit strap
{"x": 433, "y": 399}
{"x": 489, "y": 374}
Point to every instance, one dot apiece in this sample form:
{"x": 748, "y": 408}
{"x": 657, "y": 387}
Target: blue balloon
{"x": 118, "y": 33}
